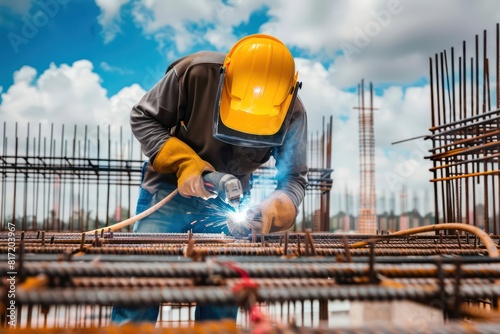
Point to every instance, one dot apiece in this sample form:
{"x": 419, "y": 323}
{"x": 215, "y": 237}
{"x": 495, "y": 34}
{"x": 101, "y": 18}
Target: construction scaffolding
{"x": 367, "y": 194}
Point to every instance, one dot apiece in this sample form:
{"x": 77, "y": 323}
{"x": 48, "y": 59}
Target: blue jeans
{"x": 179, "y": 215}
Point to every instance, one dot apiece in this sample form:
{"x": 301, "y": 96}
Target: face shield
{"x": 256, "y": 92}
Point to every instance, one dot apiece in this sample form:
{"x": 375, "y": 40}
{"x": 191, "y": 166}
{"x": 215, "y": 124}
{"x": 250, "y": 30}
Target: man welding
{"x": 213, "y": 115}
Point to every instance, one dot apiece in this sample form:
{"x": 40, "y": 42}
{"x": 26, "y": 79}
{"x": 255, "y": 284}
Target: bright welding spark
{"x": 239, "y": 216}
{"x": 218, "y": 215}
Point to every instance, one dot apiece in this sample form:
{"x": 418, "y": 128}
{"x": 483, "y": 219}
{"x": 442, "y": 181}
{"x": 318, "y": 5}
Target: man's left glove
{"x": 276, "y": 213}
{"x": 177, "y": 157}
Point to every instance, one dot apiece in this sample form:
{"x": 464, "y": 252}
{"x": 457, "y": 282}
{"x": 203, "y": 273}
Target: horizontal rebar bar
{"x": 225, "y": 296}
{"x": 256, "y": 270}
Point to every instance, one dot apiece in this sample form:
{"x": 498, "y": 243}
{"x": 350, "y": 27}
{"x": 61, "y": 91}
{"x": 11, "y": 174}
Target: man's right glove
{"x": 243, "y": 228}
{"x": 276, "y": 213}
{"x": 177, "y": 157}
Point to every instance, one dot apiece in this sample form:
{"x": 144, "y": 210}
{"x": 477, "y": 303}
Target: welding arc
{"x": 131, "y": 220}
{"x": 488, "y": 242}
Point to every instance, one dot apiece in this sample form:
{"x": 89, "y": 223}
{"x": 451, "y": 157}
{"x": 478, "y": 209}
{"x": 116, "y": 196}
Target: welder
{"x": 226, "y": 113}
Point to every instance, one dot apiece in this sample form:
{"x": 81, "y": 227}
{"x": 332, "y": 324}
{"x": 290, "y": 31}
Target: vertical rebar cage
{"x": 465, "y": 135}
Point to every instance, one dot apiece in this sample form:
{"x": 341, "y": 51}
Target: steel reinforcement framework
{"x": 54, "y": 181}
{"x": 465, "y": 127}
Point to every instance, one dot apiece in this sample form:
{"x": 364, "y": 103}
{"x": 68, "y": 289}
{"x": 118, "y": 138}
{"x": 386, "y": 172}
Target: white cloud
{"x": 390, "y": 40}
{"x": 25, "y": 74}
{"x": 106, "y": 67}
{"x": 393, "y": 38}
{"x": 110, "y": 17}
{"x": 110, "y": 68}
{"x": 120, "y": 105}
{"x": 66, "y": 94}
{"x": 191, "y": 22}
{"x": 401, "y": 114}
{"x": 17, "y": 6}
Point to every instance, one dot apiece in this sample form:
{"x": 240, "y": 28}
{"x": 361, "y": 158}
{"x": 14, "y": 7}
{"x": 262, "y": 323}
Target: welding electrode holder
{"x": 228, "y": 187}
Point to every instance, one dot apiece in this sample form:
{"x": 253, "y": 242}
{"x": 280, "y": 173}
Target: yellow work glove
{"x": 177, "y": 157}
{"x": 276, "y": 213}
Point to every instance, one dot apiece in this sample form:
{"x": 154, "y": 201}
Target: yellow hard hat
{"x": 259, "y": 86}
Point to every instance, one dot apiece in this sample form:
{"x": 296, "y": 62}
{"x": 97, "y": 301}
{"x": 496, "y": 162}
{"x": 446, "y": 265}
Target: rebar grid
{"x": 89, "y": 178}
{"x": 61, "y": 281}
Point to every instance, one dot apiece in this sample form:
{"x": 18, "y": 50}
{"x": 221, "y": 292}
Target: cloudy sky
{"x": 88, "y": 62}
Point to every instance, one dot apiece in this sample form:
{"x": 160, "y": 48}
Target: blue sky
{"x": 84, "y": 61}
{"x": 53, "y": 31}
{"x": 73, "y": 32}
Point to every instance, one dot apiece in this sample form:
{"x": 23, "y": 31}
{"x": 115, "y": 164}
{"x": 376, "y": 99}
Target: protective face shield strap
{"x": 230, "y": 136}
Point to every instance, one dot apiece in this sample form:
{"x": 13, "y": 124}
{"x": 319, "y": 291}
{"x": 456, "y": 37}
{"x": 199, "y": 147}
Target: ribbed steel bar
{"x": 230, "y": 243}
{"x": 298, "y": 283}
{"x": 319, "y": 239}
{"x": 110, "y": 258}
{"x": 179, "y": 250}
{"x": 127, "y": 282}
{"x": 455, "y": 328}
{"x": 224, "y": 295}
{"x": 119, "y": 235}
{"x": 229, "y": 327}
{"x": 465, "y": 151}
{"x": 256, "y": 270}
{"x": 206, "y": 327}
